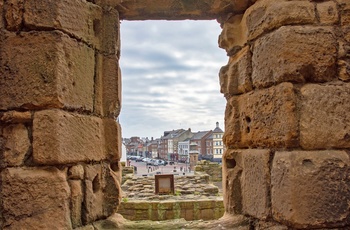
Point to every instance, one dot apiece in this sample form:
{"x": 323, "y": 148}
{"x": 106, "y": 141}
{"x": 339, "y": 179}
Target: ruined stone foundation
{"x": 287, "y": 120}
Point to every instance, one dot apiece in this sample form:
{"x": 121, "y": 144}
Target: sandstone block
{"x": 13, "y": 14}
{"x": 300, "y": 54}
{"x": 93, "y": 204}
{"x": 15, "y": 145}
{"x": 233, "y": 36}
{"x": 108, "y": 86}
{"x": 102, "y": 192}
{"x": 2, "y": 14}
{"x": 16, "y": 117}
{"x": 256, "y": 183}
{"x": 60, "y": 75}
{"x": 311, "y": 189}
{"x": 76, "y": 172}
{"x": 344, "y": 70}
{"x": 231, "y": 181}
{"x": 109, "y": 32}
{"x": 35, "y": 198}
{"x": 344, "y": 7}
{"x": 75, "y": 17}
{"x": 324, "y": 116}
{"x": 264, "y": 118}
{"x": 235, "y": 78}
{"x": 328, "y": 12}
{"x": 232, "y": 135}
{"x": 112, "y": 134}
{"x": 60, "y": 137}
{"x": 267, "y": 15}
{"x": 76, "y": 202}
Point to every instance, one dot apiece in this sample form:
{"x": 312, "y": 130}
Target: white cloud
{"x": 170, "y": 77}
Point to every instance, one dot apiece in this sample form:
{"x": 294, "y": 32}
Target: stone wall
{"x": 189, "y": 209}
{"x": 213, "y": 169}
{"x": 287, "y": 120}
{"x": 59, "y": 97}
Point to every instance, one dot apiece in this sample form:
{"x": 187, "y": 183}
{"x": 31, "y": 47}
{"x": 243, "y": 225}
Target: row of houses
{"x": 177, "y": 145}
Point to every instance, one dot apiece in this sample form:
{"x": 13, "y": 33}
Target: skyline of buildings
{"x": 177, "y": 145}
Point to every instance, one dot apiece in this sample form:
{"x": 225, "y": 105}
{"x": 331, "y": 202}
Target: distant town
{"x": 178, "y": 145}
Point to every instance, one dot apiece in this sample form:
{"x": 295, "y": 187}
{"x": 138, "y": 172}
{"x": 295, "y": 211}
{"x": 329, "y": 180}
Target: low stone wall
{"x": 172, "y": 209}
{"x": 213, "y": 169}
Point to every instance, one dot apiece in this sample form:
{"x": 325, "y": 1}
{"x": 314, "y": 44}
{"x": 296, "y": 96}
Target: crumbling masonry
{"x": 287, "y": 120}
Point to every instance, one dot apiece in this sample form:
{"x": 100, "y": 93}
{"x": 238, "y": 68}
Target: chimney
{"x": 217, "y": 124}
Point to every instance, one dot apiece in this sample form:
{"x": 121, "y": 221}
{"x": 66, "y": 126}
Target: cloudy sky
{"x": 170, "y": 77}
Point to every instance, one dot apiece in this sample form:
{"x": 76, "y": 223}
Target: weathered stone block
{"x": 344, "y": 70}
{"x": 300, "y": 54}
{"x": 108, "y": 86}
{"x": 34, "y": 198}
{"x": 13, "y": 14}
{"x": 93, "y": 204}
{"x": 232, "y": 188}
{"x": 60, "y": 137}
{"x": 15, "y": 145}
{"x": 75, "y": 17}
{"x": 2, "y": 25}
{"x": 232, "y": 135}
{"x": 76, "y": 172}
{"x": 328, "y": 12}
{"x": 233, "y": 36}
{"x": 113, "y": 142}
{"x": 76, "y": 202}
{"x": 324, "y": 116}
{"x": 235, "y": 78}
{"x": 263, "y": 118}
{"x": 267, "y": 15}
{"x": 344, "y": 7}
{"x": 102, "y": 192}
{"x": 311, "y": 189}
{"x": 256, "y": 183}
{"x": 109, "y": 32}
{"x": 60, "y": 75}
{"x": 14, "y": 117}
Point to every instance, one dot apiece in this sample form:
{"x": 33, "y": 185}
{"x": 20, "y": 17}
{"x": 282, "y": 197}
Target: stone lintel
{"x": 176, "y": 9}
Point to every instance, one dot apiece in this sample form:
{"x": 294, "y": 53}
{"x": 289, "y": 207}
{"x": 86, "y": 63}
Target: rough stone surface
{"x": 113, "y": 142}
{"x": 75, "y": 17}
{"x": 57, "y": 77}
{"x": 13, "y": 14}
{"x": 263, "y": 118}
{"x": 178, "y": 9}
{"x": 300, "y": 54}
{"x": 76, "y": 172}
{"x": 267, "y": 15}
{"x": 102, "y": 192}
{"x": 324, "y": 116}
{"x": 344, "y": 70}
{"x": 256, "y": 183}
{"x": 76, "y": 202}
{"x": 35, "y": 199}
{"x": 311, "y": 189}
{"x": 108, "y": 87}
{"x": 233, "y": 36}
{"x": 16, "y": 117}
{"x": 93, "y": 209}
{"x": 232, "y": 186}
{"x": 15, "y": 145}
{"x": 345, "y": 18}
{"x": 328, "y": 13}
{"x": 61, "y": 137}
{"x": 235, "y": 78}
{"x": 1, "y": 14}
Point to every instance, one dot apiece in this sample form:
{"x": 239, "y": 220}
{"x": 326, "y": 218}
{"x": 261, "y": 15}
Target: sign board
{"x": 164, "y": 184}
